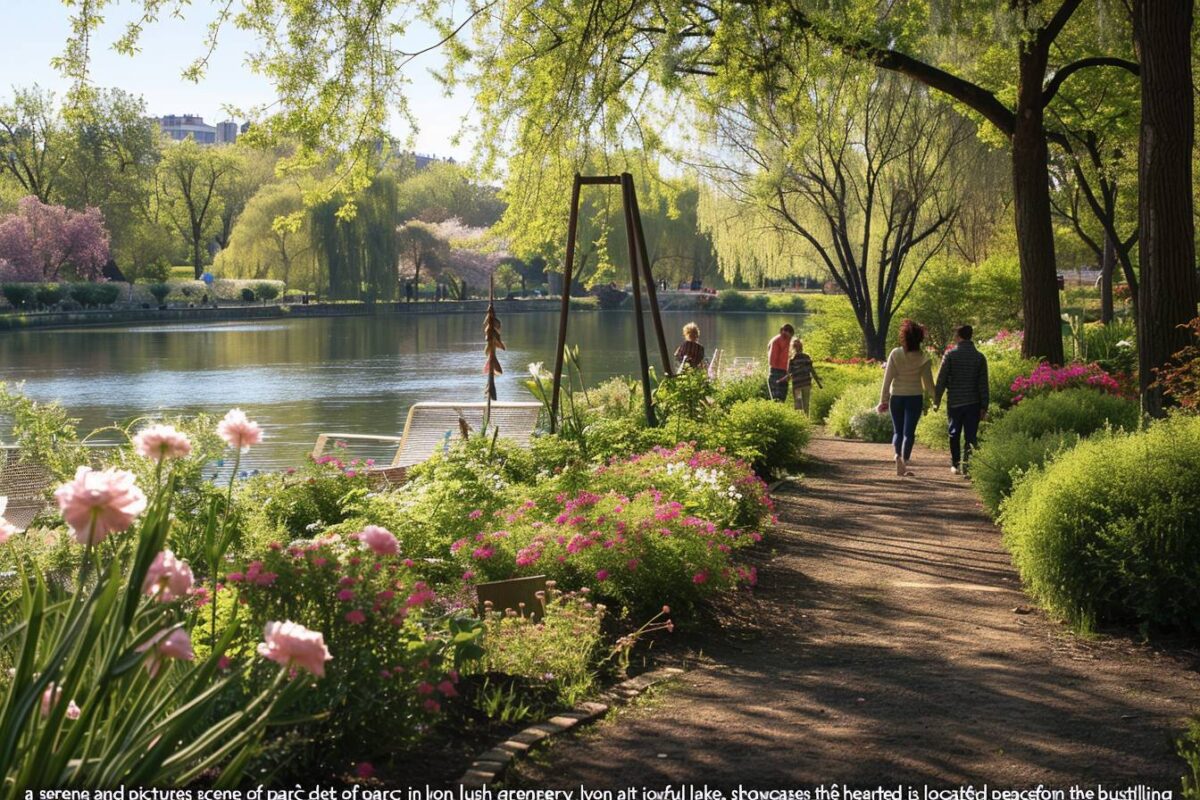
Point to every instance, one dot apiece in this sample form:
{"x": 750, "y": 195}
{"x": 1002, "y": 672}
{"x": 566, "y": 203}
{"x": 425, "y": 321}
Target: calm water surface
{"x": 346, "y": 374}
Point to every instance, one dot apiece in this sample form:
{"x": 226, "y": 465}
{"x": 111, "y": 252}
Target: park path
{"x": 889, "y": 642}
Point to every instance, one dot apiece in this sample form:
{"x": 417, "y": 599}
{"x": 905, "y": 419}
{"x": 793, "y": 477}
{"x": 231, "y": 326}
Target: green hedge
{"x": 1110, "y": 531}
{"x": 1028, "y": 434}
{"x": 835, "y": 380}
{"x": 848, "y": 417}
{"x": 771, "y": 435}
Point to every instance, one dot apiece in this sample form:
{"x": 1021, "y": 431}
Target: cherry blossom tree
{"x": 42, "y": 242}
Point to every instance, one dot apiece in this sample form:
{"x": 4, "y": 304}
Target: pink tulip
{"x": 161, "y": 441}
{"x": 50, "y": 698}
{"x": 293, "y": 645}
{"x": 7, "y": 530}
{"x": 238, "y": 431}
{"x": 175, "y": 643}
{"x": 168, "y": 578}
{"x": 98, "y": 503}
{"x": 379, "y": 540}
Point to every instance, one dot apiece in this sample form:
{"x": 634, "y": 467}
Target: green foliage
{"x": 836, "y": 379}
{"x": 50, "y": 294}
{"x": 747, "y": 387}
{"x": 278, "y": 507}
{"x": 19, "y": 294}
{"x": 995, "y": 283}
{"x": 94, "y": 294}
{"x": 1189, "y": 750}
{"x": 871, "y": 426}
{"x": 942, "y": 300}
{"x": 731, "y": 300}
{"x": 159, "y": 291}
{"x": 266, "y": 290}
{"x": 44, "y": 433}
{"x": 248, "y": 295}
{"x": 1112, "y": 346}
{"x": 856, "y": 400}
{"x": 834, "y": 333}
{"x": 1004, "y": 367}
{"x": 1110, "y": 531}
{"x": 770, "y": 435}
{"x": 1028, "y": 434}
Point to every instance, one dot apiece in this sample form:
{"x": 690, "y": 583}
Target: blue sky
{"x": 35, "y": 31}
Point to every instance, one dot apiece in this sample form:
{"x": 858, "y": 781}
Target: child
{"x": 802, "y": 373}
{"x": 691, "y": 352}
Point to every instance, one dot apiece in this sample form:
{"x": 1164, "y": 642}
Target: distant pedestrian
{"x": 907, "y": 378}
{"x": 963, "y": 377}
{"x": 691, "y": 352}
{"x": 778, "y": 355}
{"x": 803, "y": 373}
{"x": 408, "y": 291}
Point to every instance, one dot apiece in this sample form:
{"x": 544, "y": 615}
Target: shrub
{"x": 932, "y": 431}
{"x": 248, "y": 295}
{"x": 1113, "y": 347}
{"x": 50, "y": 294}
{"x": 1180, "y": 378}
{"x": 789, "y": 303}
{"x": 86, "y": 294}
{"x": 18, "y": 294}
{"x": 732, "y": 300}
{"x": 159, "y": 291}
{"x": 1028, "y": 434}
{"x": 1110, "y": 531}
{"x": 1047, "y": 378}
{"x": 1004, "y": 367}
{"x": 107, "y": 293}
{"x": 834, "y": 332}
{"x": 743, "y": 387}
{"x": 266, "y": 291}
{"x": 770, "y": 435}
{"x": 1189, "y": 750}
{"x": 835, "y": 380}
{"x": 858, "y": 399}
{"x": 871, "y": 426}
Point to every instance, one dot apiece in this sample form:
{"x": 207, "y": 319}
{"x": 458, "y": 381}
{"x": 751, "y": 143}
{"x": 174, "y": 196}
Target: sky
{"x": 35, "y": 31}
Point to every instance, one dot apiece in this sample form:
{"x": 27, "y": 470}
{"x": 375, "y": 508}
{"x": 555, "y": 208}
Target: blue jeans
{"x": 906, "y": 413}
{"x": 779, "y": 390}
{"x": 964, "y": 423}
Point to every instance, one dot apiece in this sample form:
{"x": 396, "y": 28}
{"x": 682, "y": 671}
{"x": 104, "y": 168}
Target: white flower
{"x": 535, "y": 369}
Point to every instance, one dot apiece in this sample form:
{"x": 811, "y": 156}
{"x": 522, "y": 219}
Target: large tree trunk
{"x": 1031, "y": 204}
{"x": 1168, "y": 292}
{"x": 197, "y": 255}
{"x": 1108, "y": 264}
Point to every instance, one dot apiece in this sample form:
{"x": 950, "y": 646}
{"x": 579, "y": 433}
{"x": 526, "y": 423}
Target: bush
{"x": 857, "y": 400}
{"x": 732, "y": 300}
{"x": 18, "y": 294}
{"x": 770, "y": 435}
{"x": 1028, "y": 434}
{"x": 159, "y": 291}
{"x": 266, "y": 291}
{"x": 871, "y": 426}
{"x": 107, "y": 293}
{"x": 932, "y": 431}
{"x": 1189, "y": 750}
{"x": 787, "y": 303}
{"x": 1113, "y": 347}
{"x": 1047, "y": 378}
{"x": 835, "y": 380}
{"x": 1004, "y": 367}
{"x": 745, "y": 387}
{"x": 248, "y": 295}
{"x": 834, "y": 332}
{"x": 50, "y": 294}
{"x": 1110, "y": 531}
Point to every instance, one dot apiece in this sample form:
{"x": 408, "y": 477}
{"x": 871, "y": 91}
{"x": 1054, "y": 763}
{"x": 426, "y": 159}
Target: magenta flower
{"x": 364, "y": 770}
{"x": 356, "y": 617}
{"x": 174, "y": 643}
{"x": 345, "y": 595}
{"x": 379, "y": 540}
{"x": 601, "y": 574}
{"x": 169, "y": 578}
{"x": 292, "y": 645}
{"x": 158, "y": 442}
{"x": 447, "y": 689}
{"x": 476, "y": 514}
{"x": 700, "y": 577}
{"x": 432, "y": 706}
{"x": 239, "y": 432}
{"x": 98, "y": 503}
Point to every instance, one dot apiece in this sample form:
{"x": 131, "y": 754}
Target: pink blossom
{"x": 601, "y": 574}
{"x": 447, "y": 689}
{"x": 379, "y": 540}
{"x": 73, "y": 711}
{"x": 292, "y": 645}
{"x": 476, "y": 514}
{"x": 161, "y": 441}
{"x": 700, "y": 577}
{"x": 238, "y": 431}
{"x": 7, "y": 530}
{"x": 421, "y": 594}
{"x": 40, "y": 241}
{"x": 174, "y": 643}
{"x": 483, "y": 553}
{"x": 169, "y": 578}
{"x": 50, "y": 698}
{"x": 98, "y": 503}
{"x": 432, "y": 706}
{"x": 364, "y": 770}
{"x": 425, "y": 687}
{"x": 356, "y": 617}
{"x": 345, "y": 595}
{"x": 223, "y": 663}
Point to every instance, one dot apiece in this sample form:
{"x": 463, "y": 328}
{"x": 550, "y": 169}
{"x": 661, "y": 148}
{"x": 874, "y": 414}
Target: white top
{"x": 908, "y": 373}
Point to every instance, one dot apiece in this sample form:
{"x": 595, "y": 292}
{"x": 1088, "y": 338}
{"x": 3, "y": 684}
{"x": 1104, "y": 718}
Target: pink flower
{"x": 425, "y": 687}
{"x": 364, "y": 770}
{"x": 601, "y": 574}
{"x": 50, "y": 698}
{"x": 483, "y": 553}
{"x": 447, "y": 689}
{"x": 700, "y": 577}
{"x": 7, "y": 530}
{"x": 356, "y": 617}
{"x": 432, "y": 706}
{"x": 345, "y": 595}
{"x": 238, "y": 431}
{"x": 379, "y": 540}
{"x": 174, "y": 643}
{"x": 223, "y": 663}
{"x": 476, "y": 514}
{"x": 161, "y": 441}
{"x": 98, "y": 503}
{"x": 168, "y": 578}
{"x": 293, "y": 645}
{"x": 73, "y": 711}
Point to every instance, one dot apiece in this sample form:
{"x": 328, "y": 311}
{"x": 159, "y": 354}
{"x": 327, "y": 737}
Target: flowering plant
{"x": 1048, "y": 378}
{"x": 1006, "y": 340}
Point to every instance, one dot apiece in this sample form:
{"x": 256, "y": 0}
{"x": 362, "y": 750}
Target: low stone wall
{"x": 140, "y": 316}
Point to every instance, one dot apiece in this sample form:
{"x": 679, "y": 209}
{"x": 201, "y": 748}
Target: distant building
{"x": 180, "y": 127}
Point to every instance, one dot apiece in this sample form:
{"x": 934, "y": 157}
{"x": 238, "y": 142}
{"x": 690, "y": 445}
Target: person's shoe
{"x": 954, "y": 470}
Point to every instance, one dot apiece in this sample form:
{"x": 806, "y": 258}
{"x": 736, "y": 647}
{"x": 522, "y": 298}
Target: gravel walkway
{"x": 889, "y": 642}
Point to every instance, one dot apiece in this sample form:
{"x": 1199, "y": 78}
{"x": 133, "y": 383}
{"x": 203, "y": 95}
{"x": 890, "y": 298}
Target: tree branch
{"x": 1061, "y": 75}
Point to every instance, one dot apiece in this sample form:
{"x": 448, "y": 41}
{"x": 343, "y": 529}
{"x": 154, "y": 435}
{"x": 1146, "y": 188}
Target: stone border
{"x": 492, "y": 764}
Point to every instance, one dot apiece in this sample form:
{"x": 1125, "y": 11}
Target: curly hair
{"x": 912, "y": 334}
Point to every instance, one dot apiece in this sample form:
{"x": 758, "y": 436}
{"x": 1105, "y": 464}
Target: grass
{"x": 183, "y": 272}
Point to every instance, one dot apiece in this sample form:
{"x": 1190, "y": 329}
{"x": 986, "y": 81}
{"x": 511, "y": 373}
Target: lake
{"x": 300, "y": 377}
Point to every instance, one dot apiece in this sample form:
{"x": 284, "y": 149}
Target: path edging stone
{"x": 491, "y": 764}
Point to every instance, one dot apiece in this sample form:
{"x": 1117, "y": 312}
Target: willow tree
{"x": 271, "y": 240}
{"x": 862, "y": 167}
{"x": 357, "y": 253}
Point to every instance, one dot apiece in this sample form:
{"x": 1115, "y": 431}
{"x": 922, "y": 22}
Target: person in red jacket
{"x": 779, "y": 352}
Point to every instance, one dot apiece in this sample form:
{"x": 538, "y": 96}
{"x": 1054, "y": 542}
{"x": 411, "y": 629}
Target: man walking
{"x": 779, "y": 352}
{"x": 964, "y": 378}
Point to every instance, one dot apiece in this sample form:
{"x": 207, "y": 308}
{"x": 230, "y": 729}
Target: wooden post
{"x": 572, "y": 224}
{"x": 643, "y": 358}
{"x": 651, "y": 291}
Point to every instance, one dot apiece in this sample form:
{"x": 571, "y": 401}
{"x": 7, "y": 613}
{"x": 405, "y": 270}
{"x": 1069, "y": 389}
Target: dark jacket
{"x": 963, "y": 377}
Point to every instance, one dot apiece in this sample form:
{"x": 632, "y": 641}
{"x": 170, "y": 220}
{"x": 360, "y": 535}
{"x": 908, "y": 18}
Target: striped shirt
{"x": 963, "y": 377}
{"x": 800, "y": 368}
{"x": 690, "y": 353}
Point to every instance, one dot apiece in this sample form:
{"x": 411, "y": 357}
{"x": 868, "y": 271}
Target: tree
{"x": 253, "y": 168}
{"x": 271, "y": 240}
{"x": 46, "y": 243}
{"x": 193, "y": 178}
{"x": 357, "y": 253}
{"x": 420, "y": 245}
{"x": 1163, "y": 32}
{"x": 507, "y": 276}
{"x": 33, "y": 142}
{"x": 863, "y": 168}
{"x": 443, "y": 190}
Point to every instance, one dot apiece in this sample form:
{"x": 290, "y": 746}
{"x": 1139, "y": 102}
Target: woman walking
{"x": 907, "y": 378}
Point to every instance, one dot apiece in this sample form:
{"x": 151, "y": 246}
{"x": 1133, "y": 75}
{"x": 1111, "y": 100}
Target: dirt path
{"x": 883, "y": 647}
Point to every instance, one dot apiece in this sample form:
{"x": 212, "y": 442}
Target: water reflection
{"x": 350, "y": 374}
